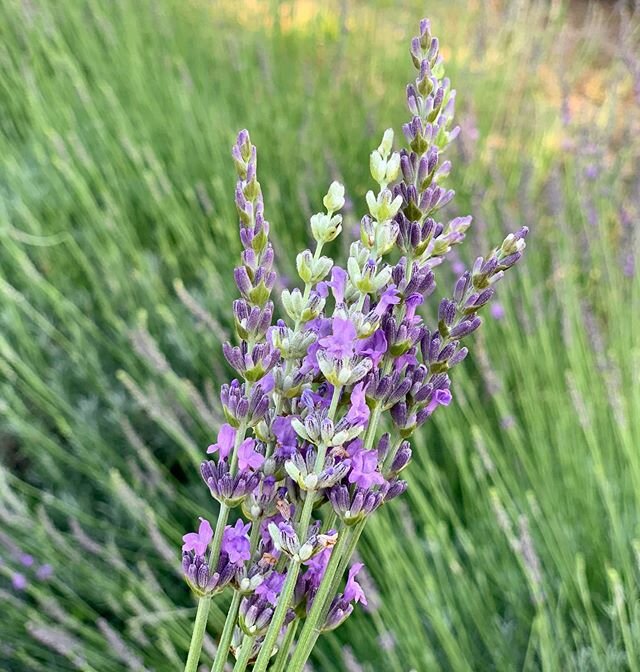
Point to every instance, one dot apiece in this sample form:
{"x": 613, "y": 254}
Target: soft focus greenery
{"x": 518, "y": 543}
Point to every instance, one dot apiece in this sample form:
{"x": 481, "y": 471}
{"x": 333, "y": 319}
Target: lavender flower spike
{"x": 302, "y": 438}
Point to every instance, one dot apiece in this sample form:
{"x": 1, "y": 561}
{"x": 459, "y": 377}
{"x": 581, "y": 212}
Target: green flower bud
{"x": 325, "y": 228}
{"x": 334, "y": 200}
{"x": 304, "y": 264}
{"x": 387, "y": 143}
{"x": 320, "y": 268}
{"x": 393, "y": 168}
{"x": 378, "y": 167}
{"x": 293, "y": 303}
{"x": 383, "y": 207}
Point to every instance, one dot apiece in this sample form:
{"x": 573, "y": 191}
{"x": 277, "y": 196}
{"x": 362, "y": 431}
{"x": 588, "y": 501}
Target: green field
{"x": 517, "y": 545}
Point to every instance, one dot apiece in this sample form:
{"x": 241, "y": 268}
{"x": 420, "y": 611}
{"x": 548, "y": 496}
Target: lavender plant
{"x": 318, "y": 420}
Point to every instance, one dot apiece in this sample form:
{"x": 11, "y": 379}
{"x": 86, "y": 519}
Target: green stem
{"x": 327, "y": 588}
{"x": 214, "y": 555}
{"x": 278, "y": 618}
{"x": 284, "y": 599}
{"x": 199, "y": 628}
{"x": 227, "y": 633}
{"x": 281, "y": 659}
{"x": 244, "y": 655}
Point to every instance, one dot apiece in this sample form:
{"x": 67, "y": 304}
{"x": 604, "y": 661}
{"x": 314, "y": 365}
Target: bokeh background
{"x": 517, "y": 546}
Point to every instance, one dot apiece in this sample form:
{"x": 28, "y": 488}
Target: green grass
{"x": 517, "y": 544}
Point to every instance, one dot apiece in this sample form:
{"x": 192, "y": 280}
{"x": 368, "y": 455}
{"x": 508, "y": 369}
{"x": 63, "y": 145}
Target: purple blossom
{"x": 440, "y": 398}
{"x": 198, "y": 541}
{"x": 364, "y": 469}
{"x": 342, "y": 340}
{"x": 248, "y": 457}
{"x": 389, "y": 298}
{"x": 19, "y": 581}
{"x": 358, "y": 414}
{"x": 26, "y": 560}
{"x": 353, "y": 590}
{"x": 497, "y": 311}
{"x": 235, "y": 542}
{"x": 374, "y": 347}
{"x": 226, "y": 439}
{"x": 408, "y": 359}
{"x": 337, "y": 284}
{"x": 320, "y": 327}
{"x": 317, "y": 566}
{"x": 270, "y": 588}
{"x": 413, "y": 302}
{"x": 267, "y": 383}
{"x": 286, "y": 437}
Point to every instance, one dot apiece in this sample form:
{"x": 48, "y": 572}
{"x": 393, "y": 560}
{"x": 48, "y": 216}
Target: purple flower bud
{"x": 243, "y": 281}
{"x": 465, "y": 327}
{"x": 458, "y": 357}
{"x": 383, "y": 447}
{"x": 461, "y": 287}
{"x": 447, "y": 312}
{"x": 402, "y": 458}
{"x": 405, "y": 163}
{"x": 395, "y": 489}
{"x": 228, "y": 489}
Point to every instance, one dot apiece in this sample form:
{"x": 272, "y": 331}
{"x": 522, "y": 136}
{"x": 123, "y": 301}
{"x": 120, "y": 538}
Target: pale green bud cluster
{"x": 299, "y": 308}
{"x": 311, "y": 269}
{"x": 385, "y": 168}
{"x": 511, "y": 244}
{"x": 334, "y": 199}
{"x": 326, "y": 227}
{"x": 342, "y": 372}
{"x": 383, "y": 206}
{"x": 363, "y": 271}
{"x": 294, "y": 344}
{"x": 379, "y": 236}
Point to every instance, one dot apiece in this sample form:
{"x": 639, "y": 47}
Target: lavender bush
{"x": 318, "y": 420}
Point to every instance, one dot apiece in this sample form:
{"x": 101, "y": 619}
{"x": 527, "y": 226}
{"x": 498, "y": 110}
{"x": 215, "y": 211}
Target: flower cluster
{"x": 324, "y": 401}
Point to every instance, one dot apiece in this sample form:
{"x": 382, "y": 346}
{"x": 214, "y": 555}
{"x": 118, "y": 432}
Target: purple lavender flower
{"x": 26, "y": 560}
{"x": 337, "y": 284}
{"x": 19, "y": 581}
{"x": 225, "y": 442}
{"x": 286, "y": 437}
{"x": 248, "y": 457}
{"x": 497, "y": 311}
{"x": 353, "y": 590}
{"x": 270, "y": 588}
{"x": 235, "y": 542}
{"x": 358, "y": 413}
{"x": 440, "y": 398}
{"x": 341, "y": 343}
{"x": 199, "y": 541}
{"x": 375, "y": 347}
{"x": 364, "y": 469}
{"x": 303, "y": 418}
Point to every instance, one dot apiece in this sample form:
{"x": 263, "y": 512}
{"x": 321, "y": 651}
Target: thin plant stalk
{"x": 227, "y": 633}
{"x": 199, "y": 628}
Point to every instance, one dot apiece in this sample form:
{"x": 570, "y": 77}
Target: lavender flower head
{"x": 303, "y": 441}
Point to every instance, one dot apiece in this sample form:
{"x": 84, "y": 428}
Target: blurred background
{"x": 517, "y": 546}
